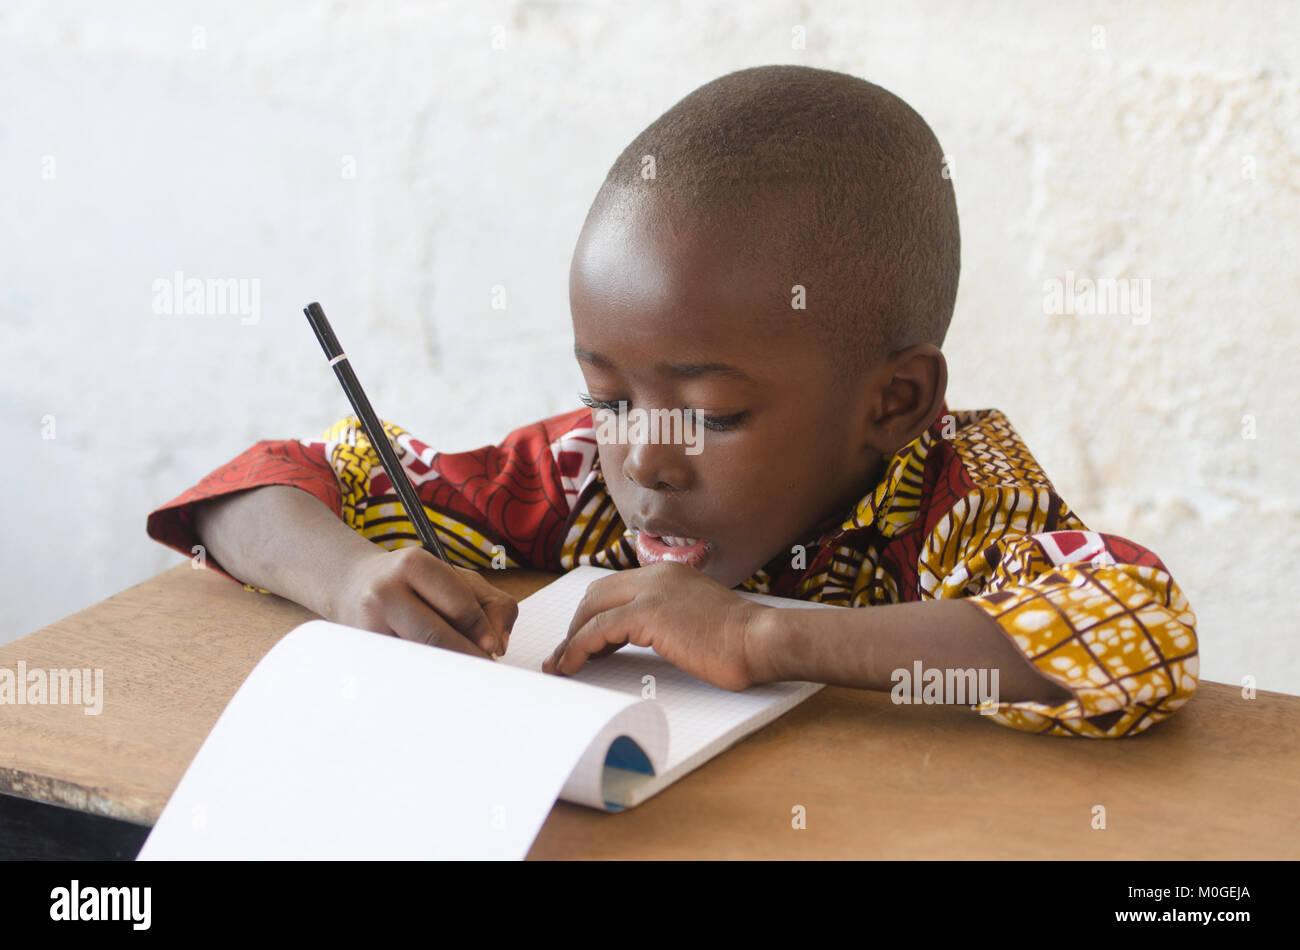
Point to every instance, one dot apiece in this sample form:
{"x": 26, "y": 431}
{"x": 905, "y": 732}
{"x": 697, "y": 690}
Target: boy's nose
{"x": 657, "y": 467}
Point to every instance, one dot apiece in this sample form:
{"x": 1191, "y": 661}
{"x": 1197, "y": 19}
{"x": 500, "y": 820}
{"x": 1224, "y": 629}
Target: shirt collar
{"x": 889, "y": 508}
{"x": 895, "y": 502}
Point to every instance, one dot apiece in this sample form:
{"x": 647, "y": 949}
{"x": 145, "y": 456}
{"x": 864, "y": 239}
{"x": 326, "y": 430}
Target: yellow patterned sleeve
{"x": 1095, "y": 613}
{"x": 371, "y": 507}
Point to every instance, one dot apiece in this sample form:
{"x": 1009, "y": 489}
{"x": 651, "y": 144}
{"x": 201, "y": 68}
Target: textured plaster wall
{"x": 137, "y": 139}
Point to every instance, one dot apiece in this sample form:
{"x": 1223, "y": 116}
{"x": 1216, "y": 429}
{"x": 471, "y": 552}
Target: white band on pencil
{"x": 341, "y": 356}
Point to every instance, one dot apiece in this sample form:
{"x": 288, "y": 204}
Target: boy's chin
{"x": 730, "y": 577}
{"x": 737, "y": 575}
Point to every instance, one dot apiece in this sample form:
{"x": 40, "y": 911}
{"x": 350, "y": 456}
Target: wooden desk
{"x": 1221, "y": 779}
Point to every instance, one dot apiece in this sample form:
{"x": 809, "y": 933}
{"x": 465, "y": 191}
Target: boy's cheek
{"x": 611, "y": 458}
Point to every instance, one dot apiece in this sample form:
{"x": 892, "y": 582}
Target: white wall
{"x": 1121, "y": 154}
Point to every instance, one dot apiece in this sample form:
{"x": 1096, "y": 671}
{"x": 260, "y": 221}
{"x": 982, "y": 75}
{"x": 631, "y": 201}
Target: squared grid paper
{"x": 702, "y": 719}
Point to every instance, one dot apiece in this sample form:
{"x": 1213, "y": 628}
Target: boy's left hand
{"x": 686, "y": 617}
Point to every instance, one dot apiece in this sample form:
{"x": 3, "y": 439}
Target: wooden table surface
{"x": 1221, "y": 779}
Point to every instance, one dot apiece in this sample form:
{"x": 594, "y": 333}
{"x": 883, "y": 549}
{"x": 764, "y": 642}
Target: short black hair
{"x": 866, "y": 218}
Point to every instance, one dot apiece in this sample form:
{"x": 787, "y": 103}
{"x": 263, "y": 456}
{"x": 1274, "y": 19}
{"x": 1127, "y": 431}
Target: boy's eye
{"x": 720, "y": 423}
{"x": 590, "y": 403}
{"x": 716, "y": 423}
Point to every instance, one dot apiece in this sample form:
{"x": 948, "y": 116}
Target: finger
{"x": 412, "y": 619}
{"x": 604, "y": 594}
{"x": 501, "y": 609}
{"x": 607, "y": 650}
{"x": 441, "y": 587}
{"x": 600, "y": 596}
{"x": 611, "y": 628}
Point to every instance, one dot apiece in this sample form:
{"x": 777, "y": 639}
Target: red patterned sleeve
{"x": 505, "y": 505}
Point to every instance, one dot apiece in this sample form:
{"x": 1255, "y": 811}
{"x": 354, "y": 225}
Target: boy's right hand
{"x": 412, "y": 594}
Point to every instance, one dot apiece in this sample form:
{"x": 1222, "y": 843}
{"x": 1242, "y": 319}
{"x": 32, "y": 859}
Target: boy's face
{"x": 667, "y": 318}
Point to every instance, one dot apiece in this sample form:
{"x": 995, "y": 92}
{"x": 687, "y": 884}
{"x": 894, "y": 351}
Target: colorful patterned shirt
{"x": 962, "y": 511}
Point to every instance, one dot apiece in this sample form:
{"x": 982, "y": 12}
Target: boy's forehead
{"x": 669, "y": 284}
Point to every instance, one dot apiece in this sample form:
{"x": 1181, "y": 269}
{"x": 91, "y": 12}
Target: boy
{"x": 777, "y": 256}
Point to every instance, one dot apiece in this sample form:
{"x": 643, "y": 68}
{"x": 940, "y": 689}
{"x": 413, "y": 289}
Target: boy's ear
{"x": 910, "y": 388}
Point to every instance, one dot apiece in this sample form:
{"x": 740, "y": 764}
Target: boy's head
{"x": 779, "y": 253}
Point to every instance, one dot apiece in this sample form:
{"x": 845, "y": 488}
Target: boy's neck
{"x": 848, "y": 501}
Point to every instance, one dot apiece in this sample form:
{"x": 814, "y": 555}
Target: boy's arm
{"x": 269, "y": 533}
{"x": 300, "y": 465}
{"x": 862, "y": 648}
{"x": 1105, "y": 641}
{"x": 319, "y": 523}
{"x": 294, "y": 546}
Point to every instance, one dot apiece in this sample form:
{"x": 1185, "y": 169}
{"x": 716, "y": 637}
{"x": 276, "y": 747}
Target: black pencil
{"x": 378, "y": 437}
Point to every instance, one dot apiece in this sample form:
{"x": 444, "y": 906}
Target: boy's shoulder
{"x": 965, "y": 460}
{"x": 989, "y": 450}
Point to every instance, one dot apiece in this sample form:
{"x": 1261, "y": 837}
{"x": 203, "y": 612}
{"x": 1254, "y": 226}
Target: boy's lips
{"x": 659, "y": 541}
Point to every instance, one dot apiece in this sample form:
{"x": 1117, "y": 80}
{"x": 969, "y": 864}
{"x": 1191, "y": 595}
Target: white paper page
{"x": 344, "y": 744}
{"x": 702, "y": 719}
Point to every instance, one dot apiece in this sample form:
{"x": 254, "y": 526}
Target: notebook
{"x": 345, "y": 744}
